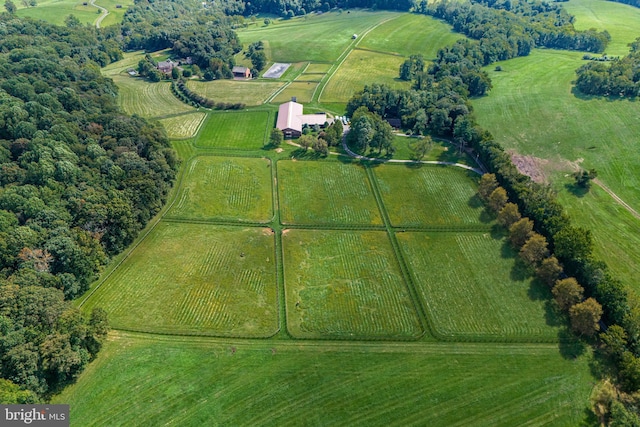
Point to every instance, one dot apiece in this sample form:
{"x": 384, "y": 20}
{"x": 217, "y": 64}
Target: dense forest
{"x": 635, "y": 3}
{"x": 620, "y": 77}
{"x": 78, "y": 180}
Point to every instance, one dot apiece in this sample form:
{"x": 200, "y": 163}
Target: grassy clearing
{"x": 440, "y": 151}
{"x": 241, "y": 130}
{"x": 362, "y": 68}
{"x": 325, "y": 193}
{"x": 411, "y": 34}
{"x": 303, "y": 91}
{"x": 184, "y": 125}
{"x": 473, "y": 288}
{"x": 153, "y": 381}
{"x": 319, "y": 38}
{"x": 129, "y": 60}
{"x": 430, "y": 196}
{"x": 55, "y": 11}
{"x": 233, "y": 91}
{"x": 318, "y": 68}
{"x": 115, "y": 14}
{"x": 620, "y": 20}
{"x": 195, "y": 279}
{"x": 345, "y": 284}
{"x": 225, "y": 188}
{"x": 532, "y": 110}
{"x": 138, "y": 96}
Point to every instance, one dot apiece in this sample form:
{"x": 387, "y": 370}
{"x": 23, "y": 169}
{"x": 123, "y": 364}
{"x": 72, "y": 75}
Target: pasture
{"x": 345, "y": 284}
{"x": 233, "y": 129}
{"x": 317, "y": 38}
{"x": 138, "y": 96}
{"x": 325, "y": 193}
{"x": 303, "y": 91}
{"x": 55, "y": 11}
{"x": 409, "y": 35}
{"x": 225, "y": 189}
{"x": 195, "y": 279}
{"x": 431, "y": 196}
{"x": 150, "y": 381}
{"x": 250, "y": 93}
{"x": 473, "y": 288}
{"x": 362, "y": 68}
{"x": 184, "y": 125}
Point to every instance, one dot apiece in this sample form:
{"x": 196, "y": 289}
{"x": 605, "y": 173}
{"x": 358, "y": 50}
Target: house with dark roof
{"x": 241, "y": 72}
{"x": 291, "y": 120}
{"x": 166, "y": 66}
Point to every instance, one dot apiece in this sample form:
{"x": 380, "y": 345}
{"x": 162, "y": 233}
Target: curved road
{"x": 104, "y": 14}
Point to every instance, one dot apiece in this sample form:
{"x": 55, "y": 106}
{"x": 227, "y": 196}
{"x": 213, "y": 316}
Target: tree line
{"x": 78, "y": 180}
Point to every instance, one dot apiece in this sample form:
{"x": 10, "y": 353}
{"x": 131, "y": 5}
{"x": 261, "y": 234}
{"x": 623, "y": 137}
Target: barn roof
{"x": 290, "y": 117}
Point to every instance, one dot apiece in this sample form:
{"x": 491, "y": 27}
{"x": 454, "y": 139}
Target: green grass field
{"x": 325, "y": 193}
{"x": 532, "y": 110}
{"x": 233, "y": 91}
{"x": 316, "y": 38}
{"x": 362, "y": 68}
{"x": 440, "y": 151}
{"x": 184, "y": 125}
{"x": 409, "y": 35}
{"x": 138, "y": 96}
{"x": 195, "y": 279}
{"x": 151, "y": 381}
{"x": 345, "y": 284}
{"x": 303, "y": 91}
{"x": 232, "y": 129}
{"x": 225, "y": 188}
{"x": 55, "y": 11}
{"x": 318, "y": 68}
{"x": 430, "y": 196}
{"x": 473, "y": 288}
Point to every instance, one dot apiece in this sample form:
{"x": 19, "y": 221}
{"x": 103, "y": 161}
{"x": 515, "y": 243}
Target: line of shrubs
{"x": 181, "y": 91}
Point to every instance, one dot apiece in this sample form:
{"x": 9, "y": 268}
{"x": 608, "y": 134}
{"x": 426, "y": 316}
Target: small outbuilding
{"x": 241, "y": 72}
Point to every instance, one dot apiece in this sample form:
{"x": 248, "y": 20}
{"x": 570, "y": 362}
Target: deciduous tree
{"x": 549, "y": 270}
{"x": 508, "y": 215}
{"x": 534, "y": 250}
{"x": 487, "y": 185}
{"x": 585, "y": 317}
{"x": 520, "y": 231}
{"x": 497, "y": 199}
{"x": 276, "y": 137}
{"x": 567, "y": 292}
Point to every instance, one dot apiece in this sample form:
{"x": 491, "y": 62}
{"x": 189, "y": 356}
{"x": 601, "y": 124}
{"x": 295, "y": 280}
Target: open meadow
{"x": 234, "y": 91}
{"x": 232, "y": 129}
{"x": 184, "y": 125}
{"x": 149, "y": 100}
{"x": 195, "y": 279}
{"x": 56, "y": 11}
{"x": 303, "y": 92}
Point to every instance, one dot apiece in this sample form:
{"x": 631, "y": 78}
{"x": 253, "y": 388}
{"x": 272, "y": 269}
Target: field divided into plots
{"x": 473, "y": 288}
{"x": 250, "y": 93}
{"x": 225, "y": 189}
{"x": 246, "y": 130}
{"x": 345, "y": 284}
{"x": 184, "y": 125}
{"x": 325, "y": 193}
{"x": 431, "y": 196}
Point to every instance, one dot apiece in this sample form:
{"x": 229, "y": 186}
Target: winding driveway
{"x": 104, "y": 14}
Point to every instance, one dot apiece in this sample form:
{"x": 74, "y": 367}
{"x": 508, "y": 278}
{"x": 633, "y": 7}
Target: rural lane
{"x": 104, "y": 14}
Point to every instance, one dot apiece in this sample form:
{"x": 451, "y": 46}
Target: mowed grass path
{"x": 473, "y": 288}
{"x": 195, "y": 279}
{"x": 410, "y": 35}
{"x": 225, "y": 188}
{"x": 430, "y": 196}
{"x": 234, "y": 91}
{"x": 325, "y": 193}
{"x": 146, "y": 381}
{"x": 319, "y": 38}
{"x": 232, "y": 129}
{"x": 345, "y": 284}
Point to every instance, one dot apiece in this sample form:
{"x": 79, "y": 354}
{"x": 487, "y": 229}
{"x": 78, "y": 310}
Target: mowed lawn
{"x": 303, "y": 92}
{"x": 151, "y": 381}
{"x": 345, "y": 284}
{"x": 184, "y": 125}
{"x": 246, "y": 130}
{"x": 56, "y": 11}
{"x": 473, "y": 288}
{"x": 411, "y": 34}
{"x": 225, "y": 188}
{"x": 146, "y": 99}
{"x": 325, "y": 193}
{"x": 233, "y": 91}
{"x": 430, "y": 196}
{"x": 363, "y": 68}
{"x": 622, "y": 21}
{"x": 320, "y": 38}
{"x": 195, "y": 279}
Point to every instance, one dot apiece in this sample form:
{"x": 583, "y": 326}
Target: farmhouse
{"x": 166, "y": 66}
{"x": 291, "y": 119}
{"x": 241, "y": 72}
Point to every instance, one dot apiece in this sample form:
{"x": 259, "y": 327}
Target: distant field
{"x": 345, "y": 284}
{"x": 55, "y": 11}
{"x": 429, "y": 196}
{"x": 138, "y": 96}
{"x": 411, "y": 34}
{"x": 232, "y": 129}
{"x": 129, "y": 60}
{"x": 184, "y": 125}
{"x": 473, "y": 289}
{"x": 151, "y": 381}
{"x": 225, "y": 188}
{"x": 233, "y": 91}
{"x": 318, "y": 68}
{"x": 115, "y": 14}
{"x": 363, "y": 68}
{"x": 303, "y": 91}
{"x": 320, "y": 38}
{"x": 195, "y": 279}
{"x": 620, "y": 20}
{"x": 325, "y": 193}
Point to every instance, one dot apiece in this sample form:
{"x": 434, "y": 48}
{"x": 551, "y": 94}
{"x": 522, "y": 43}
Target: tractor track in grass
{"x": 617, "y": 198}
